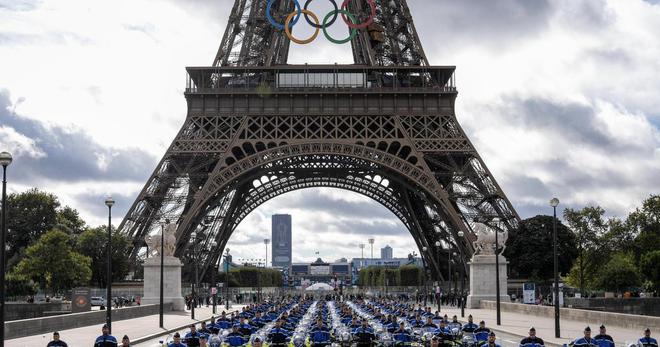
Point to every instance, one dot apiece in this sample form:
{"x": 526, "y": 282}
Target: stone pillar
{"x": 171, "y": 285}
{"x": 482, "y": 280}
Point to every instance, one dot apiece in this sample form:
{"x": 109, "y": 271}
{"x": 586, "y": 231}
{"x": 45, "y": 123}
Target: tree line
{"x": 378, "y": 276}
{"x": 49, "y": 246}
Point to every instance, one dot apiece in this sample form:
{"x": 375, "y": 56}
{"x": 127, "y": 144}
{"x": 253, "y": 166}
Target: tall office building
{"x": 281, "y": 254}
{"x": 386, "y": 252}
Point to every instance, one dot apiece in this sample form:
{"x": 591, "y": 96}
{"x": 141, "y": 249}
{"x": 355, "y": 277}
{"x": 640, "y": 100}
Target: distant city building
{"x": 320, "y": 272}
{"x": 281, "y": 236}
{"x": 359, "y": 263}
{"x": 386, "y": 252}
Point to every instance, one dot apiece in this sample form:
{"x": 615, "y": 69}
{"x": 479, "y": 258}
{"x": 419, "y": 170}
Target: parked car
{"x": 97, "y": 301}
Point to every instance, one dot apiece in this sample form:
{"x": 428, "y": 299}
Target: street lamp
{"x": 193, "y": 236}
{"x": 227, "y": 256}
{"x": 214, "y": 289}
{"x": 162, "y": 273}
{"x": 460, "y": 248}
{"x": 371, "y": 242}
{"x": 266, "y": 242}
{"x": 497, "y": 271}
{"x": 438, "y": 244}
{"x": 426, "y": 291}
{"x": 5, "y": 160}
{"x": 554, "y": 203}
{"x": 109, "y": 201}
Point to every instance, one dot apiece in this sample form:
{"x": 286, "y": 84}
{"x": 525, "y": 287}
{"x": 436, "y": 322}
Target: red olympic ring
{"x": 372, "y": 4}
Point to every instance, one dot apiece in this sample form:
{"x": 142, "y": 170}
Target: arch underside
{"x": 419, "y": 211}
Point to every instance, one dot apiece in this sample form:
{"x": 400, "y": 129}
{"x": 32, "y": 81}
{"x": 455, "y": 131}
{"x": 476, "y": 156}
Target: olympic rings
{"x": 330, "y": 38}
{"x": 277, "y": 25}
{"x": 370, "y": 20}
{"x": 324, "y": 26}
{"x": 349, "y": 18}
{"x": 287, "y": 27}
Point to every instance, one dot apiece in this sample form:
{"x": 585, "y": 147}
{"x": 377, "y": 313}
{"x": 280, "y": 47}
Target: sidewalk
{"x": 519, "y": 324}
{"x": 134, "y": 328}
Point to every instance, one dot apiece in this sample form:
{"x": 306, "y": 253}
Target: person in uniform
{"x": 125, "y": 341}
{"x": 491, "y": 341}
{"x": 56, "y": 341}
{"x": 532, "y": 340}
{"x": 585, "y": 341}
{"x": 647, "y": 340}
{"x": 176, "y": 342}
{"x": 203, "y": 340}
{"x": 470, "y": 327}
{"x": 278, "y": 335}
{"x": 454, "y": 323}
{"x": 257, "y": 342}
{"x": 602, "y": 339}
{"x": 105, "y": 340}
{"x": 402, "y": 335}
{"x": 192, "y": 337}
{"x": 204, "y": 329}
{"x": 429, "y": 324}
{"x": 481, "y": 333}
{"x": 364, "y": 335}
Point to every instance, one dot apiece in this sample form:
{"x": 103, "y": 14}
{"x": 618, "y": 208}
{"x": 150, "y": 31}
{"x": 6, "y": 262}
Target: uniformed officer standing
{"x": 532, "y": 340}
{"x": 585, "y": 341}
{"x": 470, "y": 326}
{"x": 647, "y": 340}
{"x": 602, "y": 339}
{"x": 192, "y": 337}
{"x": 56, "y": 341}
{"x": 105, "y": 340}
{"x": 491, "y": 341}
{"x": 176, "y": 342}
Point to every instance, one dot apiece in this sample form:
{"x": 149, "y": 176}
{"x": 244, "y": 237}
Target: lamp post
{"x": 109, "y": 201}
{"x": 227, "y": 257}
{"x": 193, "y": 235}
{"x": 461, "y": 234}
{"x": 214, "y": 269}
{"x": 266, "y": 243}
{"x": 449, "y": 265}
{"x": 371, "y": 242}
{"x": 554, "y": 203}
{"x": 426, "y": 291}
{"x": 438, "y": 244}
{"x": 497, "y": 271}
{"x": 162, "y": 274}
{"x": 5, "y": 160}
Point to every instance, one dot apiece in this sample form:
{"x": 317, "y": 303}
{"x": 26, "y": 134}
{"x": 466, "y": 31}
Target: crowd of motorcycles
{"x": 302, "y": 322}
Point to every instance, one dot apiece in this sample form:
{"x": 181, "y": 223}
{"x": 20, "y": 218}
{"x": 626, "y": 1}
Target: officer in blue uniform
{"x": 176, "y": 342}
{"x": 192, "y": 337}
{"x": 647, "y": 340}
{"x": 585, "y": 341}
{"x": 105, "y": 340}
{"x": 532, "y": 340}
{"x": 56, "y": 341}
{"x": 491, "y": 341}
{"x": 481, "y": 333}
{"x": 429, "y": 324}
{"x": 401, "y": 335}
{"x": 602, "y": 339}
{"x": 278, "y": 335}
{"x": 470, "y": 327}
{"x": 364, "y": 335}
{"x": 320, "y": 334}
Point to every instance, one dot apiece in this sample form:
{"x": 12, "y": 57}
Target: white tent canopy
{"x": 320, "y": 286}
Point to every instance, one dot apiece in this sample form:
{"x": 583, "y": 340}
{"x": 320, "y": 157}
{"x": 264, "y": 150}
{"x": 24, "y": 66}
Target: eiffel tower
{"x": 384, "y": 127}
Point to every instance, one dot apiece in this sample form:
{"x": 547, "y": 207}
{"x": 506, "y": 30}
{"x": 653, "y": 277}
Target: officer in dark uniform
{"x": 481, "y": 333}
{"x": 278, "y": 335}
{"x": 429, "y": 324}
{"x": 192, "y": 337}
{"x": 585, "y": 341}
{"x": 204, "y": 329}
{"x": 532, "y": 340}
{"x": 105, "y": 340}
{"x": 470, "y": 326}
{"x": 647, "y": 340}
{"x": 401, "y": 335}
{"x": 602, "y": 339}
{"x": 491, "y": 341}
{"x": 56, "y": 341}
{"x": 176, "y": 342}
{"x": 364, "y": 335}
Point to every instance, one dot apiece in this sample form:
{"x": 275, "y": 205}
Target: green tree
{"x": 644, "y": 222}
{"x": 650, "y": 268}
{"x": 29, "y": 215}
{"x": 588, "y": 225}
{"x": 53, "y": 263}
{"x": 530, "y": 249}
{"x": 17, "y": 285}
{"x": 618, "y": 274}
{"x": 93, "y": 243}
{"x": 68, "y": 220}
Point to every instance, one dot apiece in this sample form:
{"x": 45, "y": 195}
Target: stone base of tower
{"x": 171, "y": 284}
{"x": 482, "y": 280}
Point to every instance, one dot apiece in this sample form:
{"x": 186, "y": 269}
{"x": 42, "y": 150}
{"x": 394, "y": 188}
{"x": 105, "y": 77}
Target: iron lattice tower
{"x": 384, "y": 127}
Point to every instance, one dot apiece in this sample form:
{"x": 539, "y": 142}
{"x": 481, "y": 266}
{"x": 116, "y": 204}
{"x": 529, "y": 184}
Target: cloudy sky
{"x": 561, "y": 98}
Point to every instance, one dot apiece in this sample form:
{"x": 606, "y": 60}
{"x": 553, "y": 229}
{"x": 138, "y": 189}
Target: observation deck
{"x": 321, "y": 90}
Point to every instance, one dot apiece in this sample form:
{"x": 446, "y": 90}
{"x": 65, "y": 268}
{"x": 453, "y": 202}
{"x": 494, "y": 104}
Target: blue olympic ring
{"x": 278, "y": 25}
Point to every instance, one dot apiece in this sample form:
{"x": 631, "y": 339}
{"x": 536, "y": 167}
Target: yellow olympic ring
{"x": 287, "y": 28}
